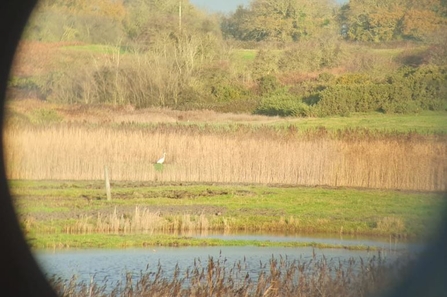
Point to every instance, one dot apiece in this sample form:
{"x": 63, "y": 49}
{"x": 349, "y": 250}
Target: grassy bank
{"x": 64, "y": 241}
{"x": 76, "y": 214}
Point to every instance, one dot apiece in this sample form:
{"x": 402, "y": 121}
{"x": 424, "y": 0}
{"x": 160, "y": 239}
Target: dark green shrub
{"x": 408, "y": 91}
{"x": 283, "y": 104}
{"x": 427, "y": 85}
{"x": 333, "y": 101}
{"x": 404, "y": 107}
{"x": 268, "y": 84}
{"x": 226, "y": 92}
{"x": 218, "y": 84}
{"x": 343, "y": 99}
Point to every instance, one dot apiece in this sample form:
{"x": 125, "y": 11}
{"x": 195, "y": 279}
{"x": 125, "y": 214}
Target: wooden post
{"x": 106, "y": 177}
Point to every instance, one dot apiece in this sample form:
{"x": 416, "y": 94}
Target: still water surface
{"x": 343, "y": 240}
{"x": 114, "y": 264}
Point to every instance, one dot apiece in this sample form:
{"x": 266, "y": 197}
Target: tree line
{"x": 262, "y": 20}
{"x": 275, "y": 57}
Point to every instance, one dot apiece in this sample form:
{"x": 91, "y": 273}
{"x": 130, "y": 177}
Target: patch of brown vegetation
{"x": 36, "y": 58}
{"x": 122, "y": 114}
{"x": 125, "y": 211}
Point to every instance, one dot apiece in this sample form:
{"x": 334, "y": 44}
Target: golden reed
{"x": 238, "y": 154}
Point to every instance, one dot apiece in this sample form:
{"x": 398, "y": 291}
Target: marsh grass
{"x": 236, "y": 154}
{"x": 391, "y": 224}
{"x": 80, "y": 207}
{"x": 147, "y": 222}
{"x": 142, "y": 221}
{"x": 279, "y": 277}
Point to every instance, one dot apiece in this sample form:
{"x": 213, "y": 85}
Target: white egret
{"x": 162, "y": 159}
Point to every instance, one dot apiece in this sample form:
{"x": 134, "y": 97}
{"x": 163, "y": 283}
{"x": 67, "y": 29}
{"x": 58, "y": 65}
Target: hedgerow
{"x": 408, "y": 91}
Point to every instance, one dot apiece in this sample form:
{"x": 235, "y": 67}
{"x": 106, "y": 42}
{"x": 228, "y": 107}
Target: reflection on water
{"x": 342, "y": 239}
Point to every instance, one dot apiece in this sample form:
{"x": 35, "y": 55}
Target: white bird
{"x": 162, "y": 159}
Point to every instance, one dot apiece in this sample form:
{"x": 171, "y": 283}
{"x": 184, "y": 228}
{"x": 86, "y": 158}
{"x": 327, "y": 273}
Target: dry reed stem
{"x": 143, "y": 220}
{"x": 280, "y": 277}
{"x": 74, "y": 152}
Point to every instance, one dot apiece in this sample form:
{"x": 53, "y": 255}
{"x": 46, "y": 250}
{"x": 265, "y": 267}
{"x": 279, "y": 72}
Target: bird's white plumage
{"x": 162, "y": 159}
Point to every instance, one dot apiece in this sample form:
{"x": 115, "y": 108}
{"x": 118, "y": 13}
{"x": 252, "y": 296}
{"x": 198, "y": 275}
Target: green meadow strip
{"x": 66, "y": 207}
{"x": 60, "y": 241}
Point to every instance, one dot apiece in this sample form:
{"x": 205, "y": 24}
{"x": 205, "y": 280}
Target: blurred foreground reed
{"x": 279, "y": 277}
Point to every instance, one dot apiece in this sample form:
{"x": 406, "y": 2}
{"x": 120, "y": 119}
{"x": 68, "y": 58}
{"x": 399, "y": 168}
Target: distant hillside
{"x": 286, "y": 58}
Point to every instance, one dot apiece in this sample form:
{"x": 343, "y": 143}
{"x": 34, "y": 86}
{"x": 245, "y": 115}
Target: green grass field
{"x": 423, "y": 123}
{"x": 245, "y": 55}
{"x": 66, "y": 213}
